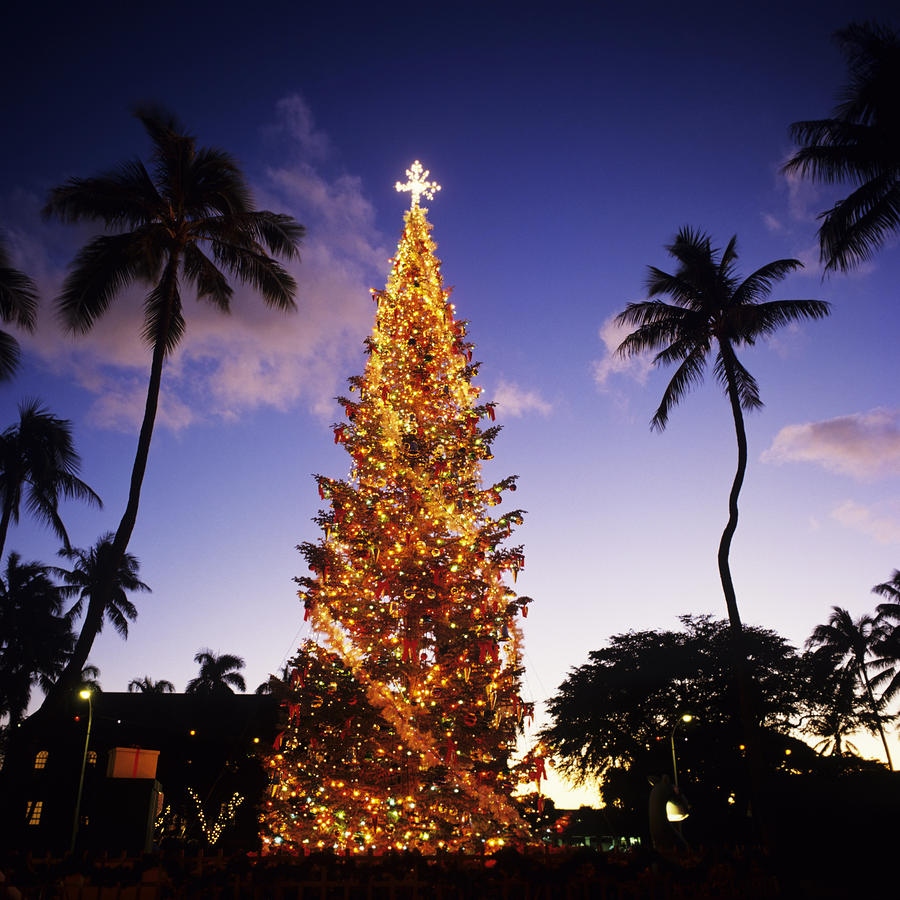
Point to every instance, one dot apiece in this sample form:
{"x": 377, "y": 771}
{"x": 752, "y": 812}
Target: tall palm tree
{"x": 18, "y": 305}
{"x": 218, "y": 674}
{"x": 851, "y": 642}
{"x": 712, "y": 308}
{"x": 35, "y": 638}
{"x": 186, "y": 222}
{"x": 860, "y": 144}
{"x": 38, "y": 458}
{"x": 147, "y": 685}
{"x": 89, "y": 579}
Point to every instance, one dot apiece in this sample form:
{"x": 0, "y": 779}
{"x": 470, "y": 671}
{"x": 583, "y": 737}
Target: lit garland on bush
{"x": 213, "y": 832}
{"x": 400, "y": 725}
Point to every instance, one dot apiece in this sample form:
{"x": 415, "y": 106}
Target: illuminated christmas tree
{"x": 402, "y": 717}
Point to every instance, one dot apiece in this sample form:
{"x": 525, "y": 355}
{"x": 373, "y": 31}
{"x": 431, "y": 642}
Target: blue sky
{"x": 572, "y": 141}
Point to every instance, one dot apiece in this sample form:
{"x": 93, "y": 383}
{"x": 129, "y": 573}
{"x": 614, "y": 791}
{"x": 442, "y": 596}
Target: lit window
{"x": 40, "y": 761}
{"x": 33, "y": 813}
{"x": 92, "y": 757}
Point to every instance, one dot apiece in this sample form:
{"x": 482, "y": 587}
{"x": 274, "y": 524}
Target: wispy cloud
{"x": 862, "y": 445}
{"x": 228, "y": 365}
{"x": 515, "y": 401}
{"x": 880, "y": 521}
{"x": 636, "y": 367}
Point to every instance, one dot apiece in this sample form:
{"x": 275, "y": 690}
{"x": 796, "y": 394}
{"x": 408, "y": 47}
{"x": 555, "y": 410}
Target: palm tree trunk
{"x": 743, "y": 677}
{"x": 129, "y": 517}
{"x": 93, "y": 621}
{"x": 98, "y": 603}
{"x": 864, "y": 678}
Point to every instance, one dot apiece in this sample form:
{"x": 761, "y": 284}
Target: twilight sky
{"x": 572, "y": 141}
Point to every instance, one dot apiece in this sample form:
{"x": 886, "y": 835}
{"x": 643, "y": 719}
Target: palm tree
{"x": 851, "y": 642}
{"x": 37, "y": 457}
{"x": 89, "y": 579}
{"x": 147, "y": 685}
{"x": 35, "y": 638}
{"x": 832, "y": 700}
{"x": 860, "y": 144}
{"x": 90, "y": 679}
{"x": 218, "y": 674}
{"x": 712, "y": 307}
{"x": 890, "y": 590}
{"x": 887, "y": 645}
{"x": 186, "y": 222}
{"x": 18, "y": 304}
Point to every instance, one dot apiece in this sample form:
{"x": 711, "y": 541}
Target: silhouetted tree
{"x": 187, "y": 221}
{"x": 90, "y": 679}
{"x": 832, "y": 704}
{"x": 859, "y": 144}
{"x": 886, "y": 646}
{"x": 218, "y": 674}
{"x": 852, "y": 641}
{"x": 38, "y": 459}
{"x": 102, "y": 579}
{"x": 612, "y": 718}
{"x": 35, "y": 638}
{"x": 18, "y": 305}
{"x": 714, "y": 312}
{"x": 147, "y": 685}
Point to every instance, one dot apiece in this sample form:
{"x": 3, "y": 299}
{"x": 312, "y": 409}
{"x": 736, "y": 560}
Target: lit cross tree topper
{"x": 417, "y": 184}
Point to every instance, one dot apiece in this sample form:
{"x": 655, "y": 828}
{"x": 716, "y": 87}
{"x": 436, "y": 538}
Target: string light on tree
{"x": 400, "y": 719}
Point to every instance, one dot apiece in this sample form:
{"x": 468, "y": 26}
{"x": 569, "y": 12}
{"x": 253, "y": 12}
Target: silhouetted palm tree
{"x": 218, "y": 674}
{"x": 712, "y": 311}
{"x": 890, "y": 590}
{"x": 38, "y": 458}
{"x": 90, "y": 679}
{"x": 89, "y": 579}
{"x": 851, "y": 642}
{"x": 860, "y": 144}
{"x": 147, "y": 685}
{"x": 35, "y": 638}
{"x": 18, "y": 305}
{"x": 186, "y": 222}
{"x": 886, "y": 648}
{"x": 834, "y": 702}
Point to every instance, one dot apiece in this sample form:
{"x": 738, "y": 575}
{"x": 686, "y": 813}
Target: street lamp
{"x": 687, "y": 717}
{"x": 85, "y": 695}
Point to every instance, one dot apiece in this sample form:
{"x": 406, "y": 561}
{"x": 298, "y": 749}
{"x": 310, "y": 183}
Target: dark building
{"x": 187, "y": 764}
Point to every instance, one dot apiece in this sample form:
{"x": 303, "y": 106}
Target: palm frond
{"x": 689, "y": 374}
{"x": 252, "y": 266}
{"x": 216, "y": 186}
{"x": 280, "y": 234}
{"x": 163, "y": 313}
{"x": 855, "y": 227}
{"x": 760, "y": 283}
{"x": 207, "y": 279}
{"x": 123, "y": 198}
{"x": 10, "y": 356}
{"x": 727, "y": 367}
{"x": 18, "y": 294}
{"x": 102, "y": 268}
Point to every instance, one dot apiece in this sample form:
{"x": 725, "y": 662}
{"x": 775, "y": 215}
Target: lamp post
{"x": 85, "y": 695}
{"x": 687, "y": 717}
